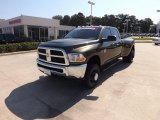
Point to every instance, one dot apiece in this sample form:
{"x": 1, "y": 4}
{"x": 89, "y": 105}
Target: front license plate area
{"x": 48, "y": 72}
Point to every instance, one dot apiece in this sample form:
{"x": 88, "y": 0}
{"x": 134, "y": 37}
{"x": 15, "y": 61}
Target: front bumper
{"x": 77, "y": 71}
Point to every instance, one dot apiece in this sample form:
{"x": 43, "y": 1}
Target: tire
{"x": 92, "y": 76}
{"x": 130, "y": 57}
{"x": 156, "y": 43}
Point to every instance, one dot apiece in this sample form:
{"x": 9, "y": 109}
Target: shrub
{"x": 14, "y": 47}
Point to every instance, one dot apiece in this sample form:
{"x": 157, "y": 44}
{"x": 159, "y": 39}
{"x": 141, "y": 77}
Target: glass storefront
{"x": 0, "y": 30}
{"x": 7, "y": 30}
{"x": 38, "y": 33}
{"x": 19, "y": 31}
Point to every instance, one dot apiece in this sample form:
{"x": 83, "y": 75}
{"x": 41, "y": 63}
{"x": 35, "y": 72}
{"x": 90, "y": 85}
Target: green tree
{"x": 119, "y": 21}
{"x": 58, "y": 17}
{"x": 97, "y": 21}
{"x": 66, "y": 20}
{"x": 78, "y": 20}
{"x": 104, "y": 20}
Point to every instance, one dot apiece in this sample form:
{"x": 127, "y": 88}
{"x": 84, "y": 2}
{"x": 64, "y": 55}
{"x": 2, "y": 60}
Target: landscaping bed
{"x": 15, "y": 47}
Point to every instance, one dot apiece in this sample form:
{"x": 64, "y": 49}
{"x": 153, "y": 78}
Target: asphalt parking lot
{"x": 126, "y": 91}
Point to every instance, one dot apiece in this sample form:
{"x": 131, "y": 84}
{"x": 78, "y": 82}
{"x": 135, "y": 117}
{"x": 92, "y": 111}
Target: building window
{"x": 19, "y": 31}
{"x": 0, "y": 30}
{"x": 38, "y": 33}
{"x": 7, "y": 30}
{"x": 43, "y": 33}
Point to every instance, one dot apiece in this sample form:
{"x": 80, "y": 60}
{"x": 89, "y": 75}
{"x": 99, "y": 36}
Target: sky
{"x": 48, "y": 8}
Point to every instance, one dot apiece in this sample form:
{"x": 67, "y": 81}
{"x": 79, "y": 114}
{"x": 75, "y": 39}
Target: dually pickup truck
{"x": 82, "y": 53}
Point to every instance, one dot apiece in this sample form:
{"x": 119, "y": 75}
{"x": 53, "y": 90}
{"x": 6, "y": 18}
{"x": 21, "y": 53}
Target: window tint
{"x": 106, "y": 32}
{"x": 115, "y": 32}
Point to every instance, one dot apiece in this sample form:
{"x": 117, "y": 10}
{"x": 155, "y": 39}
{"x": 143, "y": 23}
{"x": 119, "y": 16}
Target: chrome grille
{"x": 53, "y": 55}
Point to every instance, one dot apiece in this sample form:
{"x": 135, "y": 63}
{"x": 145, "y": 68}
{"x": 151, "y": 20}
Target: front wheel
{"x": 92, "y": 76}
{"x": 130, "y": 57}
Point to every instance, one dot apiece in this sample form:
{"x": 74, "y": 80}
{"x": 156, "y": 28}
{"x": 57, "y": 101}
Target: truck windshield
{"x": 84, "y": 33}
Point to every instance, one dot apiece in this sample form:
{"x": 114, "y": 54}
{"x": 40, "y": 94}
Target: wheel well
{"x": 94, "y": 59}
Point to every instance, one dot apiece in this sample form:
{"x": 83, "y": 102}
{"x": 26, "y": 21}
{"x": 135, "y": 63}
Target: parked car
{"x": 156, "y": 42}
{"x": 83, "y": 52}
{"x": 157, "y": 35}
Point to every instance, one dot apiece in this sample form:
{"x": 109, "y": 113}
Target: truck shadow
{"x": 49, "y": 97}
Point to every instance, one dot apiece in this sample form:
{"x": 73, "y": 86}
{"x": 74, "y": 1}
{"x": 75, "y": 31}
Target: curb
{"x": 14, "y": 53}
{"x": 143, "y": 41}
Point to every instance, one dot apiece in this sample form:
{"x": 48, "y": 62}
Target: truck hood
{"x": 62, "y": 43}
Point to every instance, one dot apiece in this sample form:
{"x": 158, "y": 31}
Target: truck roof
{"x": 100, "y": 26}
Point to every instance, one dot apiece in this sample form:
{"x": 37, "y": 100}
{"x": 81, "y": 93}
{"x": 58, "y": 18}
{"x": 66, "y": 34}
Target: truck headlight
{"x": 76, "y": 57}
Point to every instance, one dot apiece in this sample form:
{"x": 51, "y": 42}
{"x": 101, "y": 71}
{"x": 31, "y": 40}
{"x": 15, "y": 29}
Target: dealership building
{"x": 35, "y": 28}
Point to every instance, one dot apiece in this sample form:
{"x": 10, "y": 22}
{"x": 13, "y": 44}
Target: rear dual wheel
{"x": 130, "y": 57}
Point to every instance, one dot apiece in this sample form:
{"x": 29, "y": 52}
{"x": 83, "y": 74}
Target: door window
{"x": 106, "y": 32}
{"x": 115, "y": 33}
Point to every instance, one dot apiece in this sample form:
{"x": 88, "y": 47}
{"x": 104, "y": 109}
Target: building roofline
{"x": 20, "y": 16}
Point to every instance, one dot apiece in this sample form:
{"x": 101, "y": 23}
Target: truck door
{"x": 117, "y": 45}
{"x": 107, "y": 47}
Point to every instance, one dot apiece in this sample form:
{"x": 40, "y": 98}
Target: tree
{"x": 78, "y": 20}
{"x": 58, "y": 17}
{"x": 152, "y": 29}
{"x": 97, "y": 21}
{"x": 66, "y": 20}
{"x": 119, "y": 21}
{"x": 145, "y": 25}
{"x": 104, "y": 20}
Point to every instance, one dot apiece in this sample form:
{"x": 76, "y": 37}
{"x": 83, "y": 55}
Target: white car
{"x": 157, "y": 41}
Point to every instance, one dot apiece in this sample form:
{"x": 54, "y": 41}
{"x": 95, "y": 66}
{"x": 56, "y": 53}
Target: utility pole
{"x": 127, "y": 20}
{"x": 158, "y": 25}
{"x": 91, "y": 3}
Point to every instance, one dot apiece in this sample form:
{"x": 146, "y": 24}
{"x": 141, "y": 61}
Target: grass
{"x": 144, "y": 38}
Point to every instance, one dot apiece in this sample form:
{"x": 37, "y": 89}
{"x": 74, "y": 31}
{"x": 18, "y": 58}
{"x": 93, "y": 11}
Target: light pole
{"x": 131, "y": 28}
{"x": 127, "y": 20}
{"x": 158, "y": 25}
{"x": 91, "y": 3}
{"x": 124, "y": 27}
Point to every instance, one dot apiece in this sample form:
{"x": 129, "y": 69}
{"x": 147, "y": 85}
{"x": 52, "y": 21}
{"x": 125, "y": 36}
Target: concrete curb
{"x": 14, "y": 53}
{"x": 143, "y": 41}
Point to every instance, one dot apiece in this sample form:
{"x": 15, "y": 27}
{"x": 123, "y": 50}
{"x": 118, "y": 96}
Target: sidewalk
{"x": 20, "y": 52}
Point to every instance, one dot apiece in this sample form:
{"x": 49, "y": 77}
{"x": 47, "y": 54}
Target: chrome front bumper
{"x": 68, "y": 71}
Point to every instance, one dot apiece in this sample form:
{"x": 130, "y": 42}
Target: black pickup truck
{"x": 83, "y": 52}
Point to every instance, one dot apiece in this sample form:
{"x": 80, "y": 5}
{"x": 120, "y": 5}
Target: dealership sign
{"x": 15, "y": 21}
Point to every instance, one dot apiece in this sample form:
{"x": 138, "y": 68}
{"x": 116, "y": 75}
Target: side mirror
{"x": 112, "y": 38}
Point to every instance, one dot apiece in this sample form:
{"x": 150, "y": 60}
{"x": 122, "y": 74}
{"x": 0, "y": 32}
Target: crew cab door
{"x": 117, "y": 45}
{"x": 108, "y": 49}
